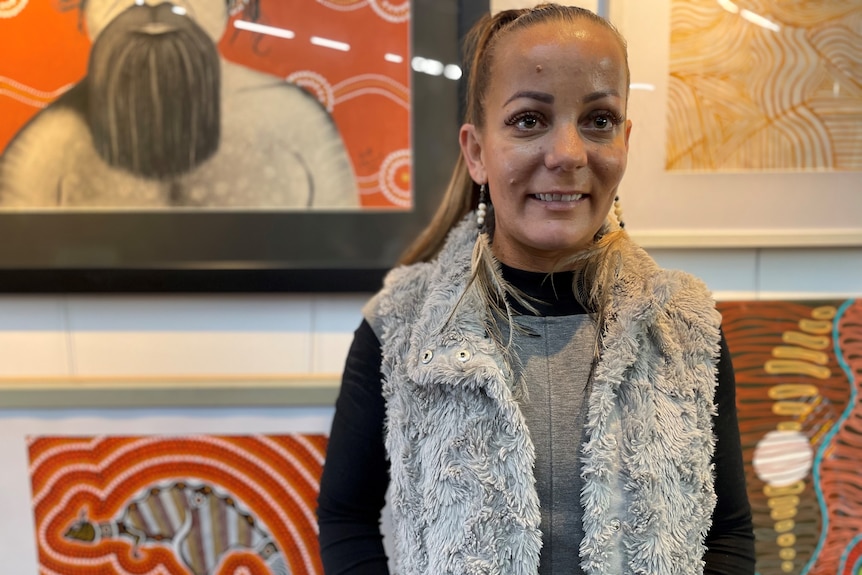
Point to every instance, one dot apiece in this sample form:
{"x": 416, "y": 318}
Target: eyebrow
{"x": 540, "y": 96}
{"x": 602, "y": 94}
{"x": 549, "y": 98}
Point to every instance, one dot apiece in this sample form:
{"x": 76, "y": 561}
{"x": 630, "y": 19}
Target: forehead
{"x": 567, "y": 47}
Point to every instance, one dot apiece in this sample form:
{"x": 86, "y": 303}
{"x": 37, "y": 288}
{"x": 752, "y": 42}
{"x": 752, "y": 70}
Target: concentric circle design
{"x": 317, "y": 85}
{"x": 394, "y": 178}
{"x": 391, "y": 11}
{"x": 11, "y": 8}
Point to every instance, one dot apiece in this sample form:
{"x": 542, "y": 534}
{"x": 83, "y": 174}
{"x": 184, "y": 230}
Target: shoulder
{"x": 63, "y": 120}
{"x": 403, "y": 290}
{"x": 408, "y": 290}
{"x": 664, "y": 287}
{"x": 669, "y": 295}
{"x": 245, "y": 85}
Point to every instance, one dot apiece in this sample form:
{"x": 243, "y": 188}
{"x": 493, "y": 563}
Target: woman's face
{"x": 554, "y": 144}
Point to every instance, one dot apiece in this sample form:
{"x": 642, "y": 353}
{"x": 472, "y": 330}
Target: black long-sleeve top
{"x": 356, "y": 472}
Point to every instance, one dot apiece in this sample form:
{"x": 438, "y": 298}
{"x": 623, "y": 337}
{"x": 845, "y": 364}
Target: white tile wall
{"x": 730, "y": 274}
{"x": 33, "y": 336}
{"x": 334, "y": 320}
{"x": 181, "y": 335}
{"x": 810, "y": 273}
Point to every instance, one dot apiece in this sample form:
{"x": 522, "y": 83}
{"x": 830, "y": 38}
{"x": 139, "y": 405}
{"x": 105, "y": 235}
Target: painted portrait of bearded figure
{"x": 162, "y": 120}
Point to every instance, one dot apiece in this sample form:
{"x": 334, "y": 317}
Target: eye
{"x": 604, "y": 121}
{"x": 525, "y": 121}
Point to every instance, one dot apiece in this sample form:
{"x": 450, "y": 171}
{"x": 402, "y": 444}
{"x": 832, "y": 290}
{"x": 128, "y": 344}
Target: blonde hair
{"x": 462, "y": 193}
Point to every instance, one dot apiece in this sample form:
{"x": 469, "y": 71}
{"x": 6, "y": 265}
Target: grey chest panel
{"x": 555, "y": 356}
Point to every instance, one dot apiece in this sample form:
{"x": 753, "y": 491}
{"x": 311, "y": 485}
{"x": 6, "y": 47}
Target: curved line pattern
{"x": 745, "y": 97}
{"x": 343, "y": 5}
{"x": 27, "y": 95}
{"x": 373, "y": 79}
{"x": 846, "y": 555}
{"x": 11, "y": 8}
{"x": 64, "y": 472}
{"x": 826, "y": 444}
{"x": 391, "y": 12}
{"x": 373, "y": 92}
{"x": 41, "y": 94}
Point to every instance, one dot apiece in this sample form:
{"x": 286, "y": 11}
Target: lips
{"x": 156, "y": 28}
{"x": 558, "y": 197}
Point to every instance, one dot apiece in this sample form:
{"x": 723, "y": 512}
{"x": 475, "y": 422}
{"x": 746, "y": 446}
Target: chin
{"x": 563, "y": 243}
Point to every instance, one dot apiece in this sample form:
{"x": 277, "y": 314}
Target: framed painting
{"x": 222, "y": 145}
{"x": 747, "y": 123}
{"x": 190, "y": 503}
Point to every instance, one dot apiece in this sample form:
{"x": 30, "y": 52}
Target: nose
{"x": 567, "y": 150}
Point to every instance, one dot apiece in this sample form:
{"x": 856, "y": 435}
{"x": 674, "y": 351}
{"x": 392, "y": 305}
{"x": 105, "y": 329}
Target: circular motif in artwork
{"x": 11, "y": 8}
{"x": 783, "y": 457}
{"x": 316, "y": 84}
{"x": 394, "y": 178}
{"x": 391, "y": 11}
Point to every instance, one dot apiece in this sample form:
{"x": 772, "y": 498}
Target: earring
{"x": 618, "y": 212}
{"x": 482, "y": 208}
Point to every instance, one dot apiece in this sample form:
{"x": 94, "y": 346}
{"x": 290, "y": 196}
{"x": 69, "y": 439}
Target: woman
{"x": 550, "y": 401}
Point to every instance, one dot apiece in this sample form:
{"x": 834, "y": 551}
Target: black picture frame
{"x": 62, "y": 251}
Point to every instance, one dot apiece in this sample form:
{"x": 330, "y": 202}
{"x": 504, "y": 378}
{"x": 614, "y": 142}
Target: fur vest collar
{"x": 462, "y": 490}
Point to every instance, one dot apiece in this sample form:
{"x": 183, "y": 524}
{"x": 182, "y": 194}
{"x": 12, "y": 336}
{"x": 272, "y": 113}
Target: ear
{"x": 628, "y": 133}
{"x": 471, "y": 147}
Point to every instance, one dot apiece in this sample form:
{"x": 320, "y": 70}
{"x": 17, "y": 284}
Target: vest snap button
{"x": 615, "y": 524}
{"x": 427, "y": 355}
{"x": 463, "y": 355}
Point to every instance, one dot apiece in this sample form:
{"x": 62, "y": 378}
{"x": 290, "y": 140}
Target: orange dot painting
{"x": 229, "y": 104}
{"x": 190, "y": 505}
{"x": 798, "y": 372}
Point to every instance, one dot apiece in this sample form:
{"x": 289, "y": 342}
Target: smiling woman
{"x": 537, "y": 394}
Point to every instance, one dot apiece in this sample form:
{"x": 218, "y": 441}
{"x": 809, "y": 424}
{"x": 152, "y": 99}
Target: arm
{"x": 730, "y": 542}
{"x": 356, "y": 472}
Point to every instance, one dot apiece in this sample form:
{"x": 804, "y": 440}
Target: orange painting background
{"x": 44, "y": 50}
{"x": 798, "y": 371}
{"x": 275, "y": 478}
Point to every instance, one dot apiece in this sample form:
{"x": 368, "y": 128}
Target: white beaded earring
{"x": 482, "y": 208}
{"x": 618, "y": 212}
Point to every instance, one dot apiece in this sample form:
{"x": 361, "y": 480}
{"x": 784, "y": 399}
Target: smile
{"x": 558, "y": 197}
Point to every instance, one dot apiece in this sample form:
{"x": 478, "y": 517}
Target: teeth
{"x": 558, "y": 197}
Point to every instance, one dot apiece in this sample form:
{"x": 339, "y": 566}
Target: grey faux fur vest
{"x": 462, "y": 492}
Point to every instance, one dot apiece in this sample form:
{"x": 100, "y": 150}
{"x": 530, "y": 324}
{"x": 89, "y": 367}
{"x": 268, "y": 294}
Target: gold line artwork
{"x": 798, "y": 372}
{"x": 765, "y": 85}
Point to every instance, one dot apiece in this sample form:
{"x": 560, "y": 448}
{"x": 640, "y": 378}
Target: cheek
{"x": 513, "y": 165}
{"x": 99, "y": 13}
{"x": 610, "y": 166}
